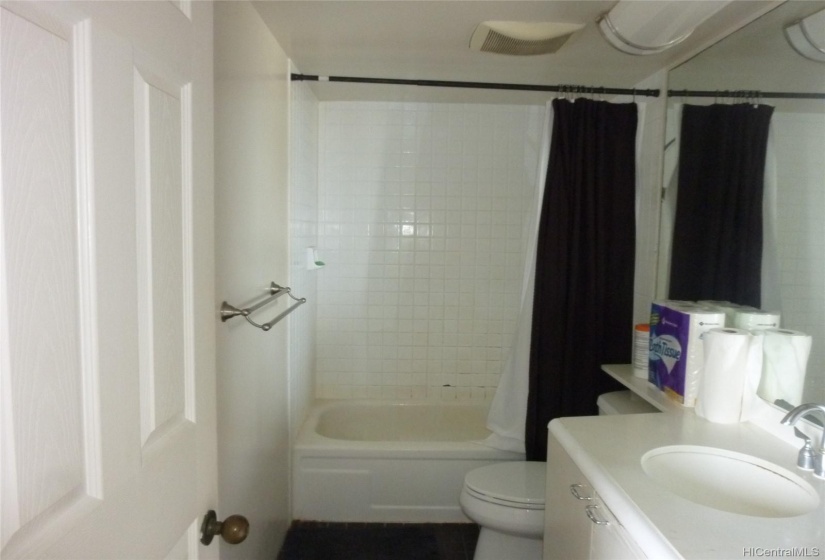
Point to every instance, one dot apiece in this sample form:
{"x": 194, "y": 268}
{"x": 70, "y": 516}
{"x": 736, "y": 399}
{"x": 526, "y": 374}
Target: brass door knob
{"x": 233, "y": 529}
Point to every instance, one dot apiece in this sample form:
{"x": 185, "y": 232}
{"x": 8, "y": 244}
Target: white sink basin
{"x": 730, "y": 481}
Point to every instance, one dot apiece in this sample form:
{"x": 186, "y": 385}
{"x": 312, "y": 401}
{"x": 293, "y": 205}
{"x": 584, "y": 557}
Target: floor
{"x": 312, "y": 540}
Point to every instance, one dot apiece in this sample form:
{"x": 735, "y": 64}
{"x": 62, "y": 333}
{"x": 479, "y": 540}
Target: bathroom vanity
{"x": 674, "y": 485}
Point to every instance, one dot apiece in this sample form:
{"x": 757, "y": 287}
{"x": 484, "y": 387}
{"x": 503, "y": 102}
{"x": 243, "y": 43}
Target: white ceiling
{"x": 758, "y": 58}
{"x": 428, "y": 39}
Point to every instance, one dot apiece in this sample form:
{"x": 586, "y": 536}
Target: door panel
{"x": 164, "y": 216}
{"x": 106, "y": 279}
{"x": 48, "y": 335}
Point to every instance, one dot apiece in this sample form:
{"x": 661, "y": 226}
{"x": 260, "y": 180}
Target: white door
{"x": 106, "y": 279}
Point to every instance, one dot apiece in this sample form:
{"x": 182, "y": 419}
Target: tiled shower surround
{"x": 801, "y": 233}
{"x": 422, "y": 216}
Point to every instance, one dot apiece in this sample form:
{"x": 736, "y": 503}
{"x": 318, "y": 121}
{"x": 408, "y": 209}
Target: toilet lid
{"x": 514, "y": 481}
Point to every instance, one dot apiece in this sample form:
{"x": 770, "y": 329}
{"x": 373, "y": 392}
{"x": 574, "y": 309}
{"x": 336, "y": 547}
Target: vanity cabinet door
{"x": 566, "y": 526}
{"x": 609, "y": 540}
{"x": 577, "y": 524}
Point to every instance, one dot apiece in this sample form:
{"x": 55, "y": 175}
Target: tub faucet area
{"x": 805, "y": 453}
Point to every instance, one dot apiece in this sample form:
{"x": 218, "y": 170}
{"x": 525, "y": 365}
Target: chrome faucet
{"x": 809, "y": 458}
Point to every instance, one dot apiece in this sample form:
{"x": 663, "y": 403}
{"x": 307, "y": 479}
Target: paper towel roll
{"x": 730, "y": 376}
{"x": 756, "y": 320}
{"x": 785, "y": 362}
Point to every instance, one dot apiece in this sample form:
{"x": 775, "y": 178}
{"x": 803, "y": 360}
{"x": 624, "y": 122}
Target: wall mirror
{"x": 760, "y": 57}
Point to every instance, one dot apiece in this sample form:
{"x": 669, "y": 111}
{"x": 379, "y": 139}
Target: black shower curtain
{"x": 583, "y": 301}
{"x": 717, "y": 234}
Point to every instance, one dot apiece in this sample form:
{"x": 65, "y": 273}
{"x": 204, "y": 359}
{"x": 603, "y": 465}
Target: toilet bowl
{"x": 507, "y": 499}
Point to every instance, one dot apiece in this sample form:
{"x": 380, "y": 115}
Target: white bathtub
{"x": 379, "y": 461}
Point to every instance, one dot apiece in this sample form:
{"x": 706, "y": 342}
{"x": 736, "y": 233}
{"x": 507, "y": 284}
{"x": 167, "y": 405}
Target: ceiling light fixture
{"x": 807, "y": 36}
{"x": 651, "y": 27}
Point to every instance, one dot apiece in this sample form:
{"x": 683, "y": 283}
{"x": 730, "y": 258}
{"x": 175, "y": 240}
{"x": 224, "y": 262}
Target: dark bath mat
{"x": 371, "y": 541}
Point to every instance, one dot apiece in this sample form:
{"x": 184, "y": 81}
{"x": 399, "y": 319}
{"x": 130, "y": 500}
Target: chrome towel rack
{"x": 275, "y": 291}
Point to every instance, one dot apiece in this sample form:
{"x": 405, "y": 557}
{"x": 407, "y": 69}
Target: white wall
{"x": 251, "y": 156}
{"x": 648, "y": 197}
{"x": 422, "y": 212}
{"x": 303, "y": 225}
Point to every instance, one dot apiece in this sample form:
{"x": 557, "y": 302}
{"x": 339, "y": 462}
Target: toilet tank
{"x": 623, "y": 402}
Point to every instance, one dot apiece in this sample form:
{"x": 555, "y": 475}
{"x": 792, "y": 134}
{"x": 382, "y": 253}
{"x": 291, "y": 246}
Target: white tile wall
{"x": 421, "y": 215}
{"x": 801, "y": 233}
{"x": 303, "y": 233}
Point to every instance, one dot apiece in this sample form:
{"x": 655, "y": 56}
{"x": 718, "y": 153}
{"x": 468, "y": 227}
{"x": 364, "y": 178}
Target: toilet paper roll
{"x": 730, "y": 376}
{"x": 785, "y": 362}
{"x": 729, "y": 309}
{"x": 756, "y": 320}
{"x": 676, "y": 350}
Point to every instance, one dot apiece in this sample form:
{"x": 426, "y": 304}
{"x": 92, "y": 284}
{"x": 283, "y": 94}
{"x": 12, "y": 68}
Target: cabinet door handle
{"x": 591, "y": 513}
{"x": 576, "y": 489}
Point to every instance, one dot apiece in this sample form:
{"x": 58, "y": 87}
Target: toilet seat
{"x": 517, "y": 484}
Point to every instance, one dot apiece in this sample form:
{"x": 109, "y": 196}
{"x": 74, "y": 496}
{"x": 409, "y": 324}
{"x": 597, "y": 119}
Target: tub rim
{"x": 309, "y": 443}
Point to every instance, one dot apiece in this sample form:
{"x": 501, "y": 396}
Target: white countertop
{"x": 608, "y": 450}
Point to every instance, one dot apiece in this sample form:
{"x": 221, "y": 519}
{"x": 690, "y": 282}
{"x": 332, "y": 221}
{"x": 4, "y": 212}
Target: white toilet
{"x": 507, "y": 499}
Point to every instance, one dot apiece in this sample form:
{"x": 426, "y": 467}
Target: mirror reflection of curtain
{"x": 583, "y": 300}
{"x": 718, "y": 231}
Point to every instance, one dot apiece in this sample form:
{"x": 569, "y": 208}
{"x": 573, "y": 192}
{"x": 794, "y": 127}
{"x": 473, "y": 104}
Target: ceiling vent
{"x": 522, "y": 38}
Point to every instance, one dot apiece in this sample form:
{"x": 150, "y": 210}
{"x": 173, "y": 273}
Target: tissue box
{"x": 676, "y": 352}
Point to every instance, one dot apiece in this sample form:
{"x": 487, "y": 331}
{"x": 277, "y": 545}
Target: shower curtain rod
{"x": 481, "y": 85}
{"x": 750, "y": 94}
